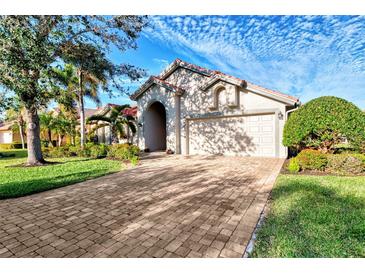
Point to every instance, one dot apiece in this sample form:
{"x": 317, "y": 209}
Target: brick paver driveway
{"x": 169, "y": 206}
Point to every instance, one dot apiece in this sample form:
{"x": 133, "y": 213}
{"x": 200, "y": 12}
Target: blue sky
{"x": 305, "y": 56}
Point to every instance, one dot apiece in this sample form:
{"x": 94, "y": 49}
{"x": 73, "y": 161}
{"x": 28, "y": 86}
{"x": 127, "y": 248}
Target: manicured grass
{"x": 314, "y": 216}
{"x": 20, "y": 181}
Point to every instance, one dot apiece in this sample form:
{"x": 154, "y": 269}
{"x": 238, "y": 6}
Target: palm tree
{"x": 46, "y": 121}
{"x": 80, "y": 83}
{"x": 116, "y": 120}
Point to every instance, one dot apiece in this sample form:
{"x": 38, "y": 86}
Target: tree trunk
{"x": 35, "y": 156}
{"x": 50, "y": 137}
{"x": 21, "y": 133}
{"x": 128, "y": 134}
{"x": 59, "y": 140}
{"x": 82, "y": 112}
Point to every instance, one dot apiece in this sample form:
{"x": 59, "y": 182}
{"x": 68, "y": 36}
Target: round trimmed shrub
{"x": 324, "y": 122}
{"x": 312, "y": 159}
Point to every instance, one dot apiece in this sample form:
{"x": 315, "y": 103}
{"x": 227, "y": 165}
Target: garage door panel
{"x": 241, "y": 136}
{"x": 266, "y": 129}
{"x": 267, "y": 140}
{"x": 266, "y": 117}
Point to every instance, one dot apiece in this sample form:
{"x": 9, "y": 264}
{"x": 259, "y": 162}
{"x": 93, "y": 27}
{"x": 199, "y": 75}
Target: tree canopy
{"x": 31, "y": 46}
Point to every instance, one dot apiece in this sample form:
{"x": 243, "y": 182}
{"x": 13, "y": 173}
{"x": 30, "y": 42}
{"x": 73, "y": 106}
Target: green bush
{"x": 18, "y": 145}
{"x": 134, "y": 160}
{"x": 124, "y": 152}
{"x": 5, "y": 146}
{"x": 312, "y": 159}
{"x": 57, "y": 152}
{"x": 293, "y": 166}
{"x": 14, "y": 145}
{"x": 323, "y": 123}
{"x": 91, "y": 150}
{"x": 346, "y": 164}
{"x": 98, "y": 151}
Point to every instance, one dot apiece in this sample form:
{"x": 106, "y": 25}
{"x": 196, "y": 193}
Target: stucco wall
{"x": 195, "y": 103}
{"x": 160, "y": 94}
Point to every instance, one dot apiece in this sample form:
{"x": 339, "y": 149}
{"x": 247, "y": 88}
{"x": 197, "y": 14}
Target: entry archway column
{"x": 178, "y": 121}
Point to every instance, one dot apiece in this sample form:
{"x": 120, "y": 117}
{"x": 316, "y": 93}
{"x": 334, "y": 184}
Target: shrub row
{"x": 14, "y": 145}
{"x": 124, "y": 152}
{"x": 341, "y": 164}
{"x": 91, "y": 150}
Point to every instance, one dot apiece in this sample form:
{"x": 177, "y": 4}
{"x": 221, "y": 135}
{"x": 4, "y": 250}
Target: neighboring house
{"x": 104, "y": 133}
{"x": 193, "y": 110}
{"x": 7, "y": 134}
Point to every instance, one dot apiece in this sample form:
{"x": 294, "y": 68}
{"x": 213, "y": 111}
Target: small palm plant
{"x": 119, "y": 122}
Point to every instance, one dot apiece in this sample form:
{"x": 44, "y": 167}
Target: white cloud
{"x": 161, "y": 62}
{"x": 307, "y": 56}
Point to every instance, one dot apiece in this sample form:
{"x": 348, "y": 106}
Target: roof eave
{"x": 276, "y": 97}
{"x": 154, "y": 80}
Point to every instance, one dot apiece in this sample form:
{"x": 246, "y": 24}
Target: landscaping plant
{"x": 293, "y": 165}
{"x": 346, "y": 164}
{"x": 323, "y": 123}
{"x": 124, "y": 152}
{"x": 311, "y": 159}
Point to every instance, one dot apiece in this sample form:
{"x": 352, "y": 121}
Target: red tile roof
{"x": 132, "y": 111}
{"x": 216, "y": 72}
{"x": 161, "y": 79}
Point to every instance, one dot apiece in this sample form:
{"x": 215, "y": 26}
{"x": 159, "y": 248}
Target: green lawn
{"x": 314, "y": 216}
{"x": 20, "y": 181}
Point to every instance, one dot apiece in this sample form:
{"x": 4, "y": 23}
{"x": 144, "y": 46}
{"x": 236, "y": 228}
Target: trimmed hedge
{"x": 90, "y": 151}
{"x": 323, "y": 123}
{"x": 14, "y": 145}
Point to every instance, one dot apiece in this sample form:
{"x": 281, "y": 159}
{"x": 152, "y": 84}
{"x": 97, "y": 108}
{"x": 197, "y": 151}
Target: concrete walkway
{"x": 168, "y": 206}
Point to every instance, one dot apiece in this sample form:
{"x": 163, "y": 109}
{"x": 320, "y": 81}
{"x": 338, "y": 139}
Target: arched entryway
{"x": 155, "y": 127}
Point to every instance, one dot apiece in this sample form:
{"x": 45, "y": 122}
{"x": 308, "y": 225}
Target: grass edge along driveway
{"x": 21, "y": 181}
{"x": 314, "y": 216}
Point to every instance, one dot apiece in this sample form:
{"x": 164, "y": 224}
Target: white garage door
{"x": 239, "y": 136}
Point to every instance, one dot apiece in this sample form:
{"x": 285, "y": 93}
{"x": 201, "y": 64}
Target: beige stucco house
{"x": 193, "y": 110}
{"x": 7, "y": 134}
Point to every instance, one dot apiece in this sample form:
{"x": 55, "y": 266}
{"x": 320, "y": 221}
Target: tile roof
{"x": 132, "y": 111}
{"x": 156, "y": 80}
{"x": 219, "y": 73}
{"x": 6, "y": 125}
{"x": 161, "y": 79}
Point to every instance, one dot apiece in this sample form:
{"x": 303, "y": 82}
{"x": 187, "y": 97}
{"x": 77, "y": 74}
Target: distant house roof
{"x": 5, "y": 126}
{"x": 132, "y": 111}
{"x": 90, "y": 111}
{"x": 215, "y": 76}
